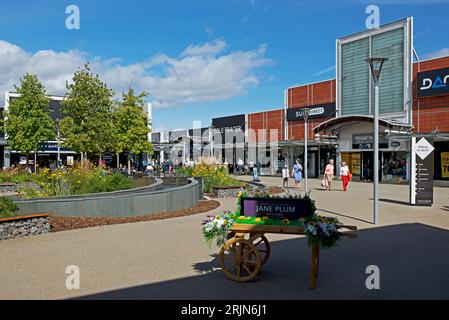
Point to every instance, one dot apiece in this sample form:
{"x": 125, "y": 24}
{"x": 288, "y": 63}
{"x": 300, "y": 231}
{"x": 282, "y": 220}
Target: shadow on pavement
{"x": 346, "y": 216}
{"x": 412, "y": 258}
{"x": 404, "y": 203}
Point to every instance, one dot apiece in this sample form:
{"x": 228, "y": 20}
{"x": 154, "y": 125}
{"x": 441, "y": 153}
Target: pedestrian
{"x": 329, "y": 174}
{"x": 251, "y": 166}
{"x": 285, "y": 175}
{"x": 240, "y": 164}
{"x": 297, "y": 174}
{"x": 345, "y": 175}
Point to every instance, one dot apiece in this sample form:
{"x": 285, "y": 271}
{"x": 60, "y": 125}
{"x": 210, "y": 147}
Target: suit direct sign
{"x": 433, "y": 83}
{"x": 316, "y": 111}
{"x": 291, "y": 209}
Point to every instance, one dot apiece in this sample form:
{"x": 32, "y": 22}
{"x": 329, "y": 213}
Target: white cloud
{"x": 209, "y": 30}
{"x": 321, "y": 72}
{"x": 436, "y": 54}
{"x": 206, "y": 72}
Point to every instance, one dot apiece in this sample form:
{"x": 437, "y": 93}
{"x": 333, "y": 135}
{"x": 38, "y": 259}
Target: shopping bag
{"x": 323, "y": 182}
{"x": 350, "y": 175}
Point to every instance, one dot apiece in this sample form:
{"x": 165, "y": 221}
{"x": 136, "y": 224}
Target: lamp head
{"x": 375, "y": 65}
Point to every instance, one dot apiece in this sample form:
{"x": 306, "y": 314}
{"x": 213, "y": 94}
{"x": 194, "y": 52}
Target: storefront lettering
{"x": 434, "y": 82}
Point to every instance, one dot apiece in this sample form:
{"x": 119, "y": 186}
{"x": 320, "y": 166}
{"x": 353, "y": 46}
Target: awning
{"x": 339, "y": 122}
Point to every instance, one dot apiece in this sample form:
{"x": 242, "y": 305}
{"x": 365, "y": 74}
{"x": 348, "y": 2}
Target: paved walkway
{"x": 168, "y": 259}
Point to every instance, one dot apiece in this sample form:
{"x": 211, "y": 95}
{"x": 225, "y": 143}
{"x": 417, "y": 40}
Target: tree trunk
{"x": 99, "y": 161}
{"x": 82, "y": 160}
{"x": 129, "y": 164}
{"x": 35, "y": 162}
{"x": 118, "y": 160}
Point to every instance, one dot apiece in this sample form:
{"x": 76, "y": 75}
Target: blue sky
{"x": 199, "y": 59}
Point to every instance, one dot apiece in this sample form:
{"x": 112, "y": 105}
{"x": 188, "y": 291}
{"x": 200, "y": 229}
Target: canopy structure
{"x": 339, "y": 122}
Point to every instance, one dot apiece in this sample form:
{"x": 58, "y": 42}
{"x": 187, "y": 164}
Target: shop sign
{"x": 421, "y": 182}
{"x": 107, "y": 157}
{"x": 291, "y": 209}
{"x": 52, "y": 146}
{"x": 365, "y": 141}
{"x": 227, "y": 128}
{"x": 70, "y": 160}
{"x": 315, "y": 111}
{"x": 433, "y": 83}
{"x": 445, "y": 164}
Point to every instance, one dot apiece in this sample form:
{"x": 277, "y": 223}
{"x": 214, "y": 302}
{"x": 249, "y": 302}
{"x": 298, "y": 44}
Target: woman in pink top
{"x": 329, "y": 174}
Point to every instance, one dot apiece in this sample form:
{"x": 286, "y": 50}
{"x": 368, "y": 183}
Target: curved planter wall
{"x": 125, "y": 203}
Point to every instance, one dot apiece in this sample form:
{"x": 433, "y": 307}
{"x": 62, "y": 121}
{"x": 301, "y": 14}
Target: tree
{"x": 28, "y": 121}
{"x": 131, "y": 126}
{"x": 87, "y": 125}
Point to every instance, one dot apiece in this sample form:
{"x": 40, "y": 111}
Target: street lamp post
{"x": 376, "y": 68}
{"x": 59, "y": 147}
{"x": 306, "y": 138}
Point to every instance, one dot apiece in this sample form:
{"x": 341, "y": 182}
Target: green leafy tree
{"x": 28, "y": 121}
{"x": 87, "y": 125}
{"x": 131, "y": 126}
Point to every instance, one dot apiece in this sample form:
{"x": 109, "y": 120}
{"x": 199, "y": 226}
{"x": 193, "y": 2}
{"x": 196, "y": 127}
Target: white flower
{"x": 311, "y": 229}
{"x": 323, "y": 227}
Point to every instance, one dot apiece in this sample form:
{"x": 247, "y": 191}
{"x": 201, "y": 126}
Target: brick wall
{"x": 262, "y": 126}
{"x": 430, "y": 113}
{"x": 308, "y": 95}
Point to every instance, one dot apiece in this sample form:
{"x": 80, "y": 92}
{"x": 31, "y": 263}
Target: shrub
{"x": 214, "y": 176}
{"x": 7, "y": 207}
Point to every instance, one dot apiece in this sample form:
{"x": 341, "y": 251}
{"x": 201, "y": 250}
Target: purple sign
{"x": 273, "y": 208}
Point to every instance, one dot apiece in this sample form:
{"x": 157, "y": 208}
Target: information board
{"x": 422, "y": 166}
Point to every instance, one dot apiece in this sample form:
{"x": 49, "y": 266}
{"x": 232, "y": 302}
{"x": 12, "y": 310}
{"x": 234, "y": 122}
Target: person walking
{"x": 329, "y": 174}
{"x": 345, "y": 175}
{"x": 297, "y": 174}
{"x": 240, "y": 164}
{"x": 285, "y": 176}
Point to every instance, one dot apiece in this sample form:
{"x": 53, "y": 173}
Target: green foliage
{"x": 64, "y": 183}
{"x": 213, "y": 176}
{"x": 87, "y": 126}
{"x": 131, "y": 125}
{"x": 7, "y": 208}
{"x": 28, "y": 121}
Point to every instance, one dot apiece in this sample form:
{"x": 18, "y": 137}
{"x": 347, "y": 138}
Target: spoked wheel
{"x": 263, "y": 246}
{"x": 240, "y": 260}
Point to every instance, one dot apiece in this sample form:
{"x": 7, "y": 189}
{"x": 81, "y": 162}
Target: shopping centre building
{"x": 413, "y": 101}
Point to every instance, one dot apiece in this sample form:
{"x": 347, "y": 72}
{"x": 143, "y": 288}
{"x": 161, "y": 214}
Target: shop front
{"x": 318, "y": 155}
{"x": 355, "y": 147}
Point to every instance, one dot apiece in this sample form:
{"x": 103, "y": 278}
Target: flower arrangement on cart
{"x": 241, "y": 234}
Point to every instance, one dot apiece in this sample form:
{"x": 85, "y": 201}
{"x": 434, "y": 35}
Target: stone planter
{"x": 22, "y": 226}
{"x": 227, "y": 192}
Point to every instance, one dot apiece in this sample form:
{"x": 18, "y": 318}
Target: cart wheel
{"x": 263, "y": 246}
{"x": 240, "y": 260}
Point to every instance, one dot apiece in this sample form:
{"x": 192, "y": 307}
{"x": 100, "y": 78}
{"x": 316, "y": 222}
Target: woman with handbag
{"x": 297, "y": 174}
{"x": 346, "y": 175}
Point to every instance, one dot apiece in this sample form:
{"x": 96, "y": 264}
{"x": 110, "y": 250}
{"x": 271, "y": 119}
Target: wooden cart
{"x": 247, "y": 250}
